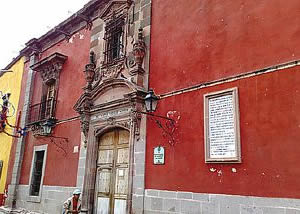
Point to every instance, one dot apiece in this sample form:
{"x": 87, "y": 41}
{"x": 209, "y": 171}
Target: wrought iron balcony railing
{"x": 41, "y": 111}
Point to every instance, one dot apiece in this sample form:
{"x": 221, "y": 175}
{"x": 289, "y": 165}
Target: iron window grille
{"x": 46, "y": 108}
{"x": 114, "y": 46}
{"x": 42, "y": 111}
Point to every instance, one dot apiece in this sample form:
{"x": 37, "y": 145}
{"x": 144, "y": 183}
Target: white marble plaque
{"x": 221, "y": 127}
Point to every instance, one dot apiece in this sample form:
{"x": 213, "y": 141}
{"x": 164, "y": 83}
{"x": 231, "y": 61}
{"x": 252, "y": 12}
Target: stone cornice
{"x": 54, "y": 58}
{"x": 50, "y": 67}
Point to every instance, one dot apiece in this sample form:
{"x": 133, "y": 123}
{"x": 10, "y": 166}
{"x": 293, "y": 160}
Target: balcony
{"x": 41, "y": 111}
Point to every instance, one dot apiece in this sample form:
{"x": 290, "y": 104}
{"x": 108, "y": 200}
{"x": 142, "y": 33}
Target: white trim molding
{"x": 222, "y": 127}
{"x": 30, "y": 198}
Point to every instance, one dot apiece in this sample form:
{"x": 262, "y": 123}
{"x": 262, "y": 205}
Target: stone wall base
{"x": 51, "y": 201}
{"x": 6, "y": 210}
{"x": 161, "y": 201}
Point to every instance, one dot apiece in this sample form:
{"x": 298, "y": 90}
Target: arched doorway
{"x": 112, "y": 173}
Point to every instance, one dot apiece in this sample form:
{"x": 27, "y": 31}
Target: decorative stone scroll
{"x": 50, "y": 67}
{"x": 222, "y": 131}
{"x": 112, "y": 71}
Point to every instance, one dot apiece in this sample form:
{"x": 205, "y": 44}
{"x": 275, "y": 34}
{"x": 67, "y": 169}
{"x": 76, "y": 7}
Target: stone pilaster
{"x": 90, "y": 174}
{"x": 12, "y": 194}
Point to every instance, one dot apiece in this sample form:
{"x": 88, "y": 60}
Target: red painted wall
{"x": 207, "y": 40}
{"x": 2, "y": 201}
{"x": 200, "y": 40}
{"x": 270, "y": 136}
{"x": 61, "y": 168}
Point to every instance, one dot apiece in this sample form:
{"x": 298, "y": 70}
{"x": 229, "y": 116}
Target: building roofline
{"x": 14, "y": 60}
{"x": 86, "y": 13}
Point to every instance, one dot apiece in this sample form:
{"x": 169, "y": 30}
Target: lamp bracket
{"x": 154, "y": 115}
{"x": 38, "y": 128}
{"x": 61, "y": 146}
{"x": 168, "y": 125}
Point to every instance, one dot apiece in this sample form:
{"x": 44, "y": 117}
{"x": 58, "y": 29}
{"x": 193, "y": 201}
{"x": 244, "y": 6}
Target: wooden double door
{"x": 112, "y": 173}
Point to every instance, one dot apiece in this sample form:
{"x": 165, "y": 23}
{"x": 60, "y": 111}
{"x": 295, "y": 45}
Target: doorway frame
{"x": 129, "y": 166}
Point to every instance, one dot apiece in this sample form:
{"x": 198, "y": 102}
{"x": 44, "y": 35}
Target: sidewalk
{"x": 5, "y": 210}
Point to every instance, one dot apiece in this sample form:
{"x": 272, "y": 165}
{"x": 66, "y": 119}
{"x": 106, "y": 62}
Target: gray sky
{"x": 22, "y": 20}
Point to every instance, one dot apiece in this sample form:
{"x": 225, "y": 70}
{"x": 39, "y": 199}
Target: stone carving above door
{"x": 119, "y": 123}
{"x": 112, "y": 71}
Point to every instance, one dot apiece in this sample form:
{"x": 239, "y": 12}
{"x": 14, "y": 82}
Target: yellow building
{"x": 10, "y": 82}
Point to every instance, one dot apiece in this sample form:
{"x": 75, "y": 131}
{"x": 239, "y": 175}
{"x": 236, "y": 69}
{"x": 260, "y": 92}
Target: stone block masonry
{"x": 52, "y": 199}
{"x": 139, "y": 16}
{"x": 162, "y": 201}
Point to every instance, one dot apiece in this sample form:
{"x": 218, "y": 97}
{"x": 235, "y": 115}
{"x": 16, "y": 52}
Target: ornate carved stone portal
{"x": 117, "y": 90}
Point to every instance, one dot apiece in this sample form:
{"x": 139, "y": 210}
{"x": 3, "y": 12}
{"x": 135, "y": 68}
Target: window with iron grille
{"x": 37, "y": 173}
{"x": 114, "y": 32}
{"x": 46, "y": 108}
{"x": 48, "y": 101}
{"x": 49, "y": 68}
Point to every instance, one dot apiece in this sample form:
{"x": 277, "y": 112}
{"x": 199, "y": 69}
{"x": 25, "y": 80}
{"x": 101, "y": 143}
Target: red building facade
{"x": 44, "y": 168}
{"x": 85, "y": 82}
{"x": 206, "y": 58}
{"x": 206, "y": 47}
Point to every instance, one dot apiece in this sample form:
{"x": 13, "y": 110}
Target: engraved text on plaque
{"x": 221, "y": 126}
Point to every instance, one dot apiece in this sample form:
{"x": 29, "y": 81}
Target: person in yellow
{"x": 73, "y": 204}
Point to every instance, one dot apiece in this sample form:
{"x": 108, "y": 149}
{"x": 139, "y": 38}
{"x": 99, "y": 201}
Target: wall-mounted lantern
{"x": 151, "y": 101}
{"x": 169, "y": 126}
{"x": 48, "y": 125}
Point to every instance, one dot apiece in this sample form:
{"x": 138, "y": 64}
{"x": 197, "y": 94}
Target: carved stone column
{"x": 84, "y": 126}
{"x": 90, "y": 173}
{"x": 91, "y": 145}
{"x": 89, "y": 141}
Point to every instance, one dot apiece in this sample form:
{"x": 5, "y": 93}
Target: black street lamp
{"x": 48, "y": 125}
{"x": 169, "y": 126}
{"x": 151, "y": 101}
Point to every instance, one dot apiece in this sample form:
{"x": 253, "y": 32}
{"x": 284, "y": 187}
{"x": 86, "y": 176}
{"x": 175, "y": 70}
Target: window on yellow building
{"x": 1, "y": 167}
